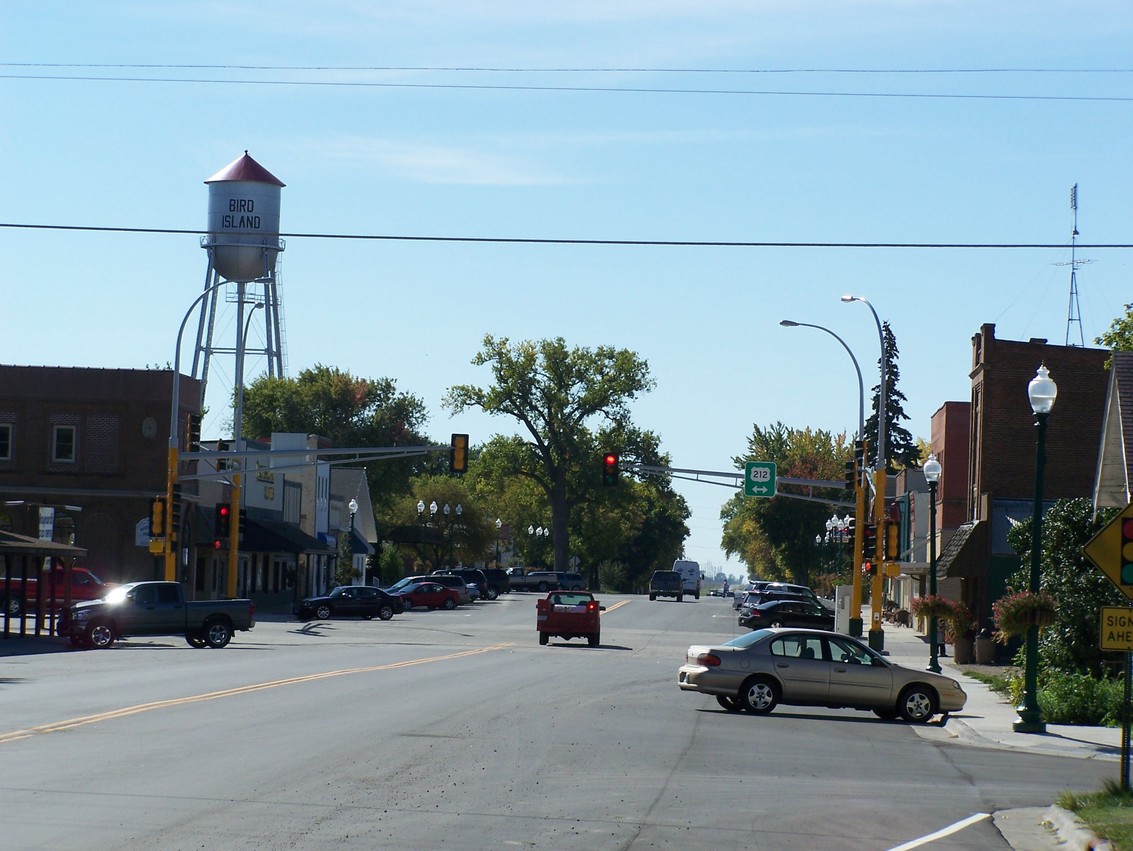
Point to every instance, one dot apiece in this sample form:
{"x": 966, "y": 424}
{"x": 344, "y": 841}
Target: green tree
{"x": 1072, "y": 642}
{"x": 901, "y": 450}
{"x": 1119, "y": 337}
{"x": 349, "y": 411}
{"x": 554, "y": 392}
{"x": 775, "y": 537}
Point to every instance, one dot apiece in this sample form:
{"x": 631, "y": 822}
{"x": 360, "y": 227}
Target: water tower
{"x": 243, "y": 248}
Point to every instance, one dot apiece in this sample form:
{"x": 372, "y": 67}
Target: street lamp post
{"x": 353, "y": 506}
{"x": 932, "y": 476}
{"x": 421, "y": 519}
{"x": 499, "y": 524}
{"x": 448, "y": 528}
{"x": 1041, "y": 392}
{"x": 855, "y": 621}
{"x": 876, "y": 633}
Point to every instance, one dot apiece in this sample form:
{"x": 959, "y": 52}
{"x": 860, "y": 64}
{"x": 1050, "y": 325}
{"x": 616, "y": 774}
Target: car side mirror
{"x": 601, "y": 608}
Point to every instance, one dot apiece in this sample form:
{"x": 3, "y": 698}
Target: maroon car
{"x": 428, "y": 595}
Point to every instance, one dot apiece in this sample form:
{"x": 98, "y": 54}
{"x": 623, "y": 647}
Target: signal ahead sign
{"x": 759, "y": 478}
{"x": 1111, "y": 550}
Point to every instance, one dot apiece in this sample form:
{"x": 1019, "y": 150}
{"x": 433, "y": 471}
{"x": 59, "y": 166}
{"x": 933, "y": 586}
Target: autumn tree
{"x": 565, "y": 400}
{"x": 775, "y": 537}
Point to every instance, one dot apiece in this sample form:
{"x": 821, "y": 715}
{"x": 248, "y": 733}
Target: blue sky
{"x": 835, "y": 122}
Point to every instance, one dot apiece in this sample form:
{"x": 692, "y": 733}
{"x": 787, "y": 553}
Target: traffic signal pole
{"x": 876, "y": 633}
{"x": 859, "y": 532}
{"x": 233, "y": 538}
{"x": 169, "y": 548}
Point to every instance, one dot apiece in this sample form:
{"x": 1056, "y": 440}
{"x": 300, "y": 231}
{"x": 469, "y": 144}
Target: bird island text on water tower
{"x": 243, "y": 221}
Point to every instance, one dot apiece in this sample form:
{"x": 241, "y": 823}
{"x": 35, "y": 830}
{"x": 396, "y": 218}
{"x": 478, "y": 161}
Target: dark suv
{"x": 497, "y": 581}
{"x": 488, "y": 589}
{"x": 666, "y": 583}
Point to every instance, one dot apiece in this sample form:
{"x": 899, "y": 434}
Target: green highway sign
{"x": 759, "y": 478}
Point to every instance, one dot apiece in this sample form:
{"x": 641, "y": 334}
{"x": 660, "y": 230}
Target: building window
{"x": 5, "y": 441}
{"x": 63, "y": 444}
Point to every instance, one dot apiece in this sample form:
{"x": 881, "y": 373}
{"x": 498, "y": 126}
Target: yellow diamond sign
{"x": 1111, "y": 550}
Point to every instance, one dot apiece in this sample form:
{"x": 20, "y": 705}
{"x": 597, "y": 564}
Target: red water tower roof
{"x": 245, "y": 168}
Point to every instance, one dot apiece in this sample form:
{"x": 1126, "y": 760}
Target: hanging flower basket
{"x": 1018, "y": 612}
{"x": 932, "y": 606}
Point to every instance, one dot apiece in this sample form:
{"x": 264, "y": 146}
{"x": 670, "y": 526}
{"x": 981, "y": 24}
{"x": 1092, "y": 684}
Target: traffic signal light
{"x": 891, "y": 544}
{"x": 157, "y": 517}
{"x": 222, "y": 524}
{"x": 221, "y": 463}
{"x": 173, "y": 515}
{"x": 609, "y": 469}
{"x": 851, "y": 475}
{"x": 193, "y": 432}
{"x": 1127, "y": 551}
{"x": 869, "y": 542}
{"x": 458, "y": 454}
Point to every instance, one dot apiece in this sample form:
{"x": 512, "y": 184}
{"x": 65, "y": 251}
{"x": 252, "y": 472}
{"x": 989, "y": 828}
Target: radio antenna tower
{"x": 1073, "y": 314}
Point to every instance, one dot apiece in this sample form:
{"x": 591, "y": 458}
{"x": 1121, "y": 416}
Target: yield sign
{"x": 1111, "y": 550}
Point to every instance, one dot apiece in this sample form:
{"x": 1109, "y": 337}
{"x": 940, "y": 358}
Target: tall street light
{"x": 932, "y": 476}
{"x": 855, "y": 620}
{"x": 448, "y": 528}
{"x": 499, "y": 523}
{"x": 876, "y": 633}
{"x": 1041, "y": 391}
{"x": 353, "y": 506}
{"x": 421, "y": 519}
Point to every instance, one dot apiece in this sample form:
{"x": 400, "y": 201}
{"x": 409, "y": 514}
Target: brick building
{"x": 89, "y": 446}
{"x": 1001, "y": 458}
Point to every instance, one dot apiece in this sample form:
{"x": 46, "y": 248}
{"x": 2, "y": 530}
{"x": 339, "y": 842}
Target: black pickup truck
{"x": 154, "y": 608}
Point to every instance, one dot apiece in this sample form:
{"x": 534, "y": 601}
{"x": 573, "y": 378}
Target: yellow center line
{"x": 58, "y": 726}
{"x": 617, "y": 605}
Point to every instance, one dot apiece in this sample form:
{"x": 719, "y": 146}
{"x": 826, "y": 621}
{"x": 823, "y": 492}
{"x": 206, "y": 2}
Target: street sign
{"x": 1117, "y": 628}
{"x": 1111, "y": 551}
{"x": 759, "y": 478}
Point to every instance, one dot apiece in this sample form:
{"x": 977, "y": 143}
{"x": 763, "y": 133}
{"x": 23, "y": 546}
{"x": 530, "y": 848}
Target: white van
{"x": 690, "y": 576}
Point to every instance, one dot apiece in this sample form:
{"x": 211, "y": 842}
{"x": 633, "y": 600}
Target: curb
{"x": 1072, "y": 831}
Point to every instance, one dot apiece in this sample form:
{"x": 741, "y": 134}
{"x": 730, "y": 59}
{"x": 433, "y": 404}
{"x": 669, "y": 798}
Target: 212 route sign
{"x": 759, "y": 478}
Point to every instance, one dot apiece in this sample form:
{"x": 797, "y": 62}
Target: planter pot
{"x": 962, "y": 651}
{"x": 985, "y": 651}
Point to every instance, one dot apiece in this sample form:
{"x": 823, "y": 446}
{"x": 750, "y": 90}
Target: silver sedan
{"x": 806, "y": 667}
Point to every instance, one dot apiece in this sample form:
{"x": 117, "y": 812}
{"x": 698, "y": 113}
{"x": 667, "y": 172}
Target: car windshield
{"x": 409, "y": 580}
{"x": 117, "y": 595}
{"x": 339, "y": 591}
{"x": 744, "y": 641}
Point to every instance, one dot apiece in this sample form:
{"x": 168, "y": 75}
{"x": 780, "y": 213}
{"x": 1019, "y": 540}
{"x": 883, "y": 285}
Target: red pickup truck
{"x": 17, "y": 597}
{"x": 567, "y": 615}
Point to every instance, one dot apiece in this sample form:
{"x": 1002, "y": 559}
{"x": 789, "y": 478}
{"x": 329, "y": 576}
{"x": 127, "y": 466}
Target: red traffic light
{"x": 611, "y": 459}
{"x": 610, "y": 469}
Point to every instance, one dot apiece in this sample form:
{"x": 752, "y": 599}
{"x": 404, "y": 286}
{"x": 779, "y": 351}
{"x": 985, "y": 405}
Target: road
{"x": 457, "y": 730}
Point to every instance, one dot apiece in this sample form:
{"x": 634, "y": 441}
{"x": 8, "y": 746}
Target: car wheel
{"x": 217, "y": 634}
{"x": 406, "y": 603}
{"x": 732, "y": 704}
{"x": 449, "y": 603}
{"x": 595, "y": 639}
{"x": 99, "y": 635}
{"x": 543, "y": 588}
{"x": 652, "y": 597}
{"x": 195, "y": 639}
{"x": 15, "y": 606}
{"x": 885, "y": 714}
{"x": 680, "y": 598}
{"x": 917, "y": 704}
{"x": 543, "y": 638}
{"x": 493, "y": 594}
{"x": 759, "y": 695}
{"x": 385, "y": 612}
{"x": 322, "y": 612}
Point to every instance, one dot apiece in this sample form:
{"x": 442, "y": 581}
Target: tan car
{"x": 808, "y": 667}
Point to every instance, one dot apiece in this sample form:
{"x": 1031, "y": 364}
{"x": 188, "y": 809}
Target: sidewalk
{"x": 987, "y": 719}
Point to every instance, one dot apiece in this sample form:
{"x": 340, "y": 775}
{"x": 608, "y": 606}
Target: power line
{"x": 579, "y": 89}
{"x": 645, "y": 243}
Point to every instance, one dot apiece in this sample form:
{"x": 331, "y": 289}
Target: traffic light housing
{"x": 891, "y": 544}
{"x": 221, "y": 463}
{"x": 458, "y": 454}
{"x": 1127, "y": 551}
{"x": 851, "y": 475}
{"x": 222, "y": 524}
{"x": 157, "y": 517}
{"x": 609, "y": 469}
{"x": 869, "y": 542}
{"x": 173, "y": 514}
{"x": 193, "y": 432}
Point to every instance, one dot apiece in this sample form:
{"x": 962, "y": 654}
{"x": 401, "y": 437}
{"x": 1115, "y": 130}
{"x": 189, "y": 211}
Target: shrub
{"x": 1073, "y": 698}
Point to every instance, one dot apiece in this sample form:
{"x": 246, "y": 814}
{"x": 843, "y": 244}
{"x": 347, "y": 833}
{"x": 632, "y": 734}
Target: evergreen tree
{"x": 901, "y": 450}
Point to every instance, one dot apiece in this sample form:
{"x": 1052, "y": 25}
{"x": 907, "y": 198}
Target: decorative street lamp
{"x": 353, "y": 506}
{"x": 448, "y": 528}
{"x": 499, "y": 523}
{"x": 932, "y": 476}
{"x": 1042, "y": 392}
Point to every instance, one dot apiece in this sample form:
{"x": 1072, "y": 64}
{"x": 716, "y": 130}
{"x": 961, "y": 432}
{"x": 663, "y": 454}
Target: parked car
{"x": 19, "y": 595}
{"x": 427, "y": 594}
{"x": 471, "y": 576}
{"x": 498, "y": 581}
{"x": 449, "y": 580}
{"x": 803, "y": 667}
{"x": 799, "y": 613}
{"x": 350, "y": 601}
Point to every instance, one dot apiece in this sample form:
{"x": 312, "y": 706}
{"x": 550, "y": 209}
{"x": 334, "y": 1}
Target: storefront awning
{"x": 966, "y": 553}
{"x": 273, "y": 536}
